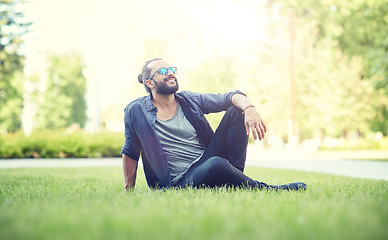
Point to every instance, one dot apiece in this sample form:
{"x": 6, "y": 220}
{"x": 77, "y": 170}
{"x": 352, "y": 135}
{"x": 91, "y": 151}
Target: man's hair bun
{"x": 140, "y": 79}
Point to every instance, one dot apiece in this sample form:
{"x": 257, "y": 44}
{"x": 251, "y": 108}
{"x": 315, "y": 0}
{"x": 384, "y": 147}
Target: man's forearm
{"x": 130, "y": 169}
{"x": 241, "y": 101}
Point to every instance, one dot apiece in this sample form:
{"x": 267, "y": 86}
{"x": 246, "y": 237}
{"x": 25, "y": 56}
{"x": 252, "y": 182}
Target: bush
{"x": 366, "y": 143}
{"x": 61, "y": 144}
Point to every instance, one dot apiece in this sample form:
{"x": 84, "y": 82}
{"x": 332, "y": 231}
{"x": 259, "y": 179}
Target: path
{"x": 332, "y": 163}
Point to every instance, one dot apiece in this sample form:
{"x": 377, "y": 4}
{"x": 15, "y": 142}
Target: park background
{"x": 316, "y": 70}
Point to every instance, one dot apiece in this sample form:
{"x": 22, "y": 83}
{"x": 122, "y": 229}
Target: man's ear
{"x": 150, "y": 83}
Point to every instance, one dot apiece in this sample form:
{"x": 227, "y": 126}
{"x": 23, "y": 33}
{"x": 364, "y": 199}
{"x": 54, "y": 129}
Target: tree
{"x": 12, "y": 28}
{"x": 365, "y": 34}
{"x": 359, "y": 30}
{"x": 64, "y": 101}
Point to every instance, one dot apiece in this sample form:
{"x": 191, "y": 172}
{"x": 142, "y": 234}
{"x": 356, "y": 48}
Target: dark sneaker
{"x": 291, "y": 186}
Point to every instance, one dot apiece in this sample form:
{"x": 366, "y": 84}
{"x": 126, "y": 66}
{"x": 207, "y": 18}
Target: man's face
{"x": 164, "y": 84}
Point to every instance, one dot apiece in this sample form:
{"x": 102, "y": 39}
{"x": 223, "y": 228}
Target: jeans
{"x": 223, "y": 161}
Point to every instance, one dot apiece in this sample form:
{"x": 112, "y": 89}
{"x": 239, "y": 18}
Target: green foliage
{"x": 11, "y": 107}
{"x": 365, "y": 34}
{"x": 64, "y": 101}
{"x": 12, "y": 28}
{"x": 61, "y": 144}
{"x": 359, "y": 144}
{"x": 331, "y": 91}
{"x": 89, "y": 203}
{"x": 358, "y": 29}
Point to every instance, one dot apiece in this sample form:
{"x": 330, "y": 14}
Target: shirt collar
{"x": 150, "y": 105}
{"x": 179, "y": 99}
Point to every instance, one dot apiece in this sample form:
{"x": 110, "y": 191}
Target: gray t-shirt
{"x": 180, "y": 143}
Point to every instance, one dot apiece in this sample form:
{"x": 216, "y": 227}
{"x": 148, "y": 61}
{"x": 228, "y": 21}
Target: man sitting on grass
{"x": 178, "y": 146}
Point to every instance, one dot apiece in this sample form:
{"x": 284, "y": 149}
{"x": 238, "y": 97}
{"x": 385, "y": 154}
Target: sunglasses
{"x": 163, "y": 71}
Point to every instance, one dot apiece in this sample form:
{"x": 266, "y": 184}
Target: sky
{"x": 116, "y": 37}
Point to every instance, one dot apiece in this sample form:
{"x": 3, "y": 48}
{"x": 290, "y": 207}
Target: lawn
{"x": 89, "y": 203}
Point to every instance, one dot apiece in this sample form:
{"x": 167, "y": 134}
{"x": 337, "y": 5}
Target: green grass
{"x": 89, "y": 203}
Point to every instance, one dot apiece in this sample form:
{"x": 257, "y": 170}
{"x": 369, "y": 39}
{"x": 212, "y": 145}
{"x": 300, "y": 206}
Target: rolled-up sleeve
{"x": 210, "y": 103}
{"x": 132, "y": 144}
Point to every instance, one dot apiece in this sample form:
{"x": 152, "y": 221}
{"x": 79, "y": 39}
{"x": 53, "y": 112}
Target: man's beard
{"x": 163, "y": 89}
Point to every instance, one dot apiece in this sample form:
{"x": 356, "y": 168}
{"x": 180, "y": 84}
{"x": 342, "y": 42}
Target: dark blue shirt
{"x": 140, "y": 135}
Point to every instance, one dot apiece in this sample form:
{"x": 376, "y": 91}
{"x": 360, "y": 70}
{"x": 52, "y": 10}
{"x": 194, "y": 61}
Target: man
{"x": 178, "y": 146}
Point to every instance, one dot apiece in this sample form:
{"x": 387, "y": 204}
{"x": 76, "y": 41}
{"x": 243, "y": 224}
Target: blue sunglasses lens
{"x": 172, "y": 69}
{"x": 163, "y": 71}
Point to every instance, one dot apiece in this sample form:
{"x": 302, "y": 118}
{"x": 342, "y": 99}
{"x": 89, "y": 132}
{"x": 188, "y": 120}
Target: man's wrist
{"x": 247, "y": 107}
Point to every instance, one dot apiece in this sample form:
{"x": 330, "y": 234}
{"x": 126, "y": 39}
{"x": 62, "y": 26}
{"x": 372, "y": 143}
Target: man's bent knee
{"x": 217, "y": 163}
{"x": 234, "y": 111}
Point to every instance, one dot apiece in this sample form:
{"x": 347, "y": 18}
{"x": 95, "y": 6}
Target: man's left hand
{"x": 254, "y": 123}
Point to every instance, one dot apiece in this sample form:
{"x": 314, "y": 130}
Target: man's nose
{"x": 170, "y": 73}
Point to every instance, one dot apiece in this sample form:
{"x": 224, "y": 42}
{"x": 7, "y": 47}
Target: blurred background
{"x": 316, "y": 70}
